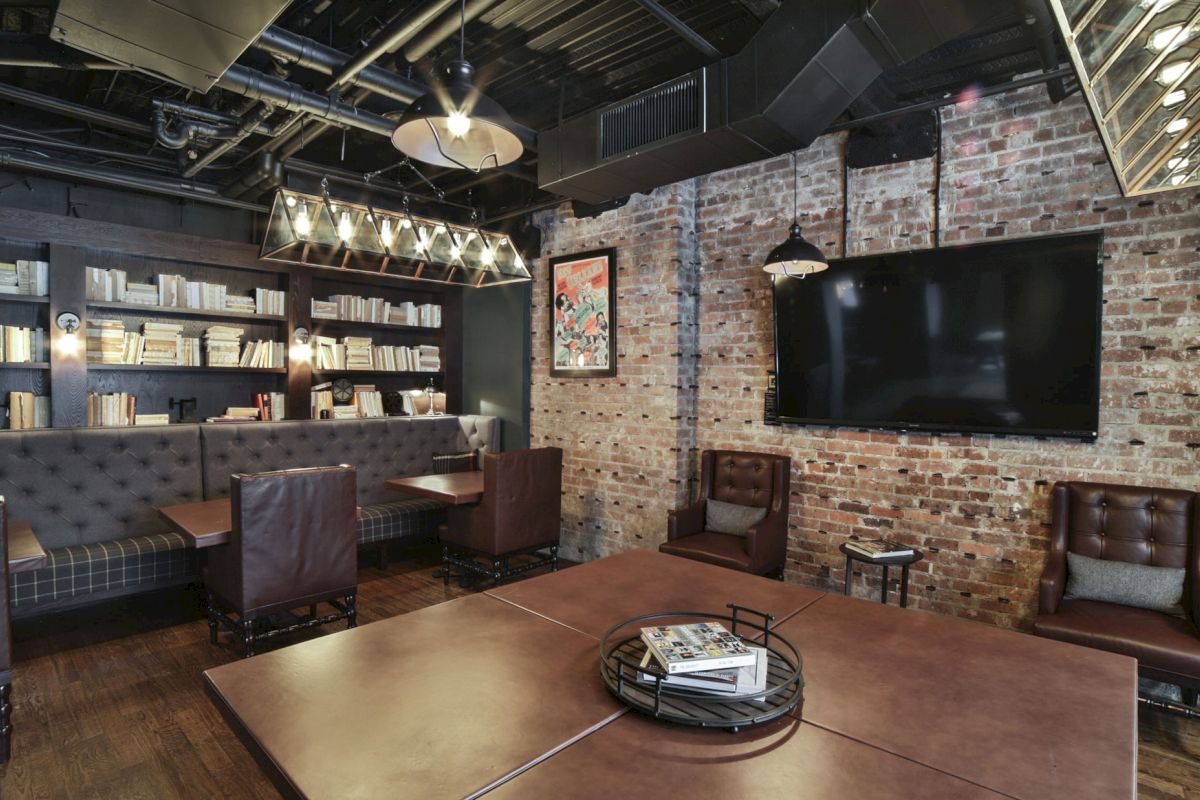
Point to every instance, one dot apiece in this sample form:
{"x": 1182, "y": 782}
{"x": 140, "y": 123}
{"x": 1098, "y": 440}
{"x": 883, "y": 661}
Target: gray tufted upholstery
{"x": 483, "y": 435}
{"x": 82, "y": 486}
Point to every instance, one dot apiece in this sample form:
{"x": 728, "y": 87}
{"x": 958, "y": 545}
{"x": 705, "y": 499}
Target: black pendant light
{"x": 796, "y": 257}
{"x": 457, "y": 125}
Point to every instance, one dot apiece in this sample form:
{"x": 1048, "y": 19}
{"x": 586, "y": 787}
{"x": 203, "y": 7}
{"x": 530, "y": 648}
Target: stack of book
{"x": 345, "y": 412}
{"x": 271, "y": 406}
{"x": 163, "y": 344}
{"x": 879, "y": 549}
{"x": 360, "y": 309}
{"x": 368, "y": 400}
{"x": 110, "y": 410}
{"x": 428, "y": 315}
{"x": 27, "y": 410}
{"x": 358, "y": 352}
{"x": 172, "y": 291}
{"x": 702, "y": 657}
{"x": 205, "y": 296}
{"x": 430, "y": 358}
{"x": 31, "y": 278}
{"x": 151, "y": 419}
{"x": 270, "y": 301}
{"x": 322, "y": 401}
{"x": 237, "y": 414}
{"x": 141, "y": 294}
{"x": 240, "y": 303}
{"x": 268, "y": 355}
{"x": 324, "y": 309}
{"x": 23, "y": 344}
{"x": 327, "y": 353}
{"x": 222, "y": 345}
{"x": 105, "y": 341}
{"x": 105, "y": 284}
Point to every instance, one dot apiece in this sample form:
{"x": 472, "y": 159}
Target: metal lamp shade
{"x": 796, "y": 257}
{"x": 424, "y": 133}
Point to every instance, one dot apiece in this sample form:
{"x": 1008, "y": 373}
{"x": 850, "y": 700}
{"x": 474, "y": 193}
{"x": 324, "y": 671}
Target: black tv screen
{"x": 991, "y": 338}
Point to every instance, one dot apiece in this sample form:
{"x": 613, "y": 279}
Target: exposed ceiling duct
{"x": 794, "y": 78}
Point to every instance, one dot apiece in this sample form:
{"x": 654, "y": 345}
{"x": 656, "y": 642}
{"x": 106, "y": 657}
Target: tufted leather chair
{"x": 520, "y": 512}
{"x": 1156, "y": 527}
{"x": 5, "y": 642}
{"x": 292, "y": 545}
{"x": 748, "y": 479}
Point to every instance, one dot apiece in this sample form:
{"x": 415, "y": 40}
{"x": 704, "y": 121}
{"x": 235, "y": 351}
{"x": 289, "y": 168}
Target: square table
{"x": 204, "y": 523}
{"x": 25, "y": 552}
{"x": 455, "y": 488}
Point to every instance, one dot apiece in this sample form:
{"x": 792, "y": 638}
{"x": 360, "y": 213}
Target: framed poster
{"x": 583, "y": 315}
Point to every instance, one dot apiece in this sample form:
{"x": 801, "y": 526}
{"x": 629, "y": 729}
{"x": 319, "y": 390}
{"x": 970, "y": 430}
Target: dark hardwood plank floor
{"x": 109, "y": 701}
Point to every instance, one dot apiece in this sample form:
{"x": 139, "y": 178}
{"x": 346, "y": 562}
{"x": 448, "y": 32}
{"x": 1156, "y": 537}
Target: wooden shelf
{"x": 340, "y": 372}
{"x": 40, "y": 300}
{"x": 172, "y": 368}
{"x": 319, "y": 323}
{"x": 203, "y": 313}
{"x": 24, "y": 365}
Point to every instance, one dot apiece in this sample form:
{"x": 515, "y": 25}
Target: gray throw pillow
{"x": 730, "y": 517}
{"x": 1137, "y": 585}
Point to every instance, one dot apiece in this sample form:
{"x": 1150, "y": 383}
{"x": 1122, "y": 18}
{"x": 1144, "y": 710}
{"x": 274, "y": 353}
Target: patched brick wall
{"x": 1014, "y": 165}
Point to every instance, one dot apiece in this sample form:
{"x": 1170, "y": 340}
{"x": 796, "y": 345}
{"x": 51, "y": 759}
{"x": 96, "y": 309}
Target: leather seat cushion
{"x": 1156, "y": 640}
{"x": 722, "y": 549}
{"x": 400, "y": 519}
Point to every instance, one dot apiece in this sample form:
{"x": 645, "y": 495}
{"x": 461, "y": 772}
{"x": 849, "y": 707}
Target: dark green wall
{"x": 496, "y": 358}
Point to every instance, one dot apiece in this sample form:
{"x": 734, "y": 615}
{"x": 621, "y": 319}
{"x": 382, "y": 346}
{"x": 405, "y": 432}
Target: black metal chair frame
{"x": 498, "y": 569}
{"x": 258, "y": 627}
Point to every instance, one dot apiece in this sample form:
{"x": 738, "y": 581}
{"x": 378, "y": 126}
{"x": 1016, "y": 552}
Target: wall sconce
{"x": 301, "y": 350}
{"x": 68, "y": 323}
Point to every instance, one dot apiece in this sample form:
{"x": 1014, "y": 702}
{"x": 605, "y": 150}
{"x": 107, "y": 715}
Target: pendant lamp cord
{"x": 795, "y": 193}
{"x": 462, "y": 31}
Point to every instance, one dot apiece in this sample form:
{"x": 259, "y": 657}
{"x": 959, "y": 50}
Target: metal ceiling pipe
{"x": 249, "y": 124}
{"x": 1038, "y": 17}
{"x": 680, "y": 27}
{"x": 207, "y": 115}
{"x": 287, "y": 95}
{"x": 446, "y": 26}
{"x": 263, "y": 168}
{"x": 68, "y": 109}
{"x": 306, "y": 52}
{"x": 391, "y": 38}
{"x": 187, "y": 190}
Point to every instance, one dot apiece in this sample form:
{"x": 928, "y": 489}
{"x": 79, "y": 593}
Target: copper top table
{"x": 205, "y": 523}
{"x": 25, "y": 552}
{"x": 455, "y": 488}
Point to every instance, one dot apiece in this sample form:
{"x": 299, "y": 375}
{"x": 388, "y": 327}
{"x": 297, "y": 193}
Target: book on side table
{"x": 879, "y": 549}
{"x": 698, "y": 647}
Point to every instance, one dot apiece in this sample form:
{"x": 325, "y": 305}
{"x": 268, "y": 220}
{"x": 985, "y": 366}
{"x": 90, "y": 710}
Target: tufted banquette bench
{"x": 92, "y": 494}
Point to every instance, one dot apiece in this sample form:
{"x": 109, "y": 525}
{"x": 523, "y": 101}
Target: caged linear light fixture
{"x": 1138, "y": 63}
{"x": 318, "y": 231}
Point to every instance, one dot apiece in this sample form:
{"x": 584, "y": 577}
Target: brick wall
{"x": 696, "y": 340}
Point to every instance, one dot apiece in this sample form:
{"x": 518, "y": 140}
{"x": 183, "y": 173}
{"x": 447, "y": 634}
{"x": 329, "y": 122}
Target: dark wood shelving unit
{"x": 173, "y": 368}
{"x": 336, "y": 373}
{"x": 41, "y": 300}
{"x": 421, "y": 330}
{"x": 24, "y": 365}
{"x": 175, "y": 311}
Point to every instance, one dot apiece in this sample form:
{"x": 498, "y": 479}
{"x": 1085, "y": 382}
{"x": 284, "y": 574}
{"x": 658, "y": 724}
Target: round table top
{"x": 894, "y": 561}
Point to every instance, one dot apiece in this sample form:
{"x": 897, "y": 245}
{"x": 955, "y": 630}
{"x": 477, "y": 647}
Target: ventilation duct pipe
{"x": 446, "y": 26}
{"x": 396, "y": 34}
{"x": 248, "y": 125}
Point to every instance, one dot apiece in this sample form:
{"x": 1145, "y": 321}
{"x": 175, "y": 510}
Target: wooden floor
{"x": 109, "y": 703}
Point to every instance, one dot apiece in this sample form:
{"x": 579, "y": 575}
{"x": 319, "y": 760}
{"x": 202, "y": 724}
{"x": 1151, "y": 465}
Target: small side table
{"x": 904, "y": 562}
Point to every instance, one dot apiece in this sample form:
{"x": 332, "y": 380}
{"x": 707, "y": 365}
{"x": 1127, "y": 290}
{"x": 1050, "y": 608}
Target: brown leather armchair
{"x": 293, "y": 544}
{"x": 1157, "y": 527}
{"x": 5, "y": 642}
{"x": 520, "y": 513}
{"x": 748, "y": 479}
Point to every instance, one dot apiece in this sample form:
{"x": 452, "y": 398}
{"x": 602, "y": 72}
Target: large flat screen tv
{"x": 991, "y": 338}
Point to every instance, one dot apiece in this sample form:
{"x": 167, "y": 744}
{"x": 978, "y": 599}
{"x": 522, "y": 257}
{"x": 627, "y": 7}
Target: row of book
{"x": 377, "y": 310}
{"x": 176, "y": 291}
{"x": 360, "y": 353}
{"x": 27, "y": 410}
{"x": 117, "y": 409}
{"x": 702, "y": 657}
{"x": 268, "y": 407}
{"x": 163, "y": 344}
{"x": 23, "y": 344}
{"x": 366, "y": 403}
{"x": 30, "y": 278}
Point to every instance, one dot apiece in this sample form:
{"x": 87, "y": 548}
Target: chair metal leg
{"x": 213, "y": 619}
{"x": 445, "y": 565}
{"x": 554, "y": 558}
{"x": 5, "y": 722}
{"x": 247, "y": 638}
{"x": 351, "y": 611}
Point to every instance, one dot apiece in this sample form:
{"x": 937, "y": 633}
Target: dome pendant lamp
{"x": 796, "y": 257}
{"x": 457, "y": 125}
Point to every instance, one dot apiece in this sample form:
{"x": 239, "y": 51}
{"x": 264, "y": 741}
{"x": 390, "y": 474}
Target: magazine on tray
{"x": 698, "y": 647}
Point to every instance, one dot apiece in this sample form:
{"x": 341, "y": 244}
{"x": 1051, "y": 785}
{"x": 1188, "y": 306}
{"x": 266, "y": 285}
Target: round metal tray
{"x": 621, "y": 656}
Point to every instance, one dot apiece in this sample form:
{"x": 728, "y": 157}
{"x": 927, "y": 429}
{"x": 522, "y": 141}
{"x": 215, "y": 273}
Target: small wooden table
{"x": 25, "y": 553}
{"x": 902, "y": 561}
{"x": 205, "y": 523}
{"x": 455, "y": 488}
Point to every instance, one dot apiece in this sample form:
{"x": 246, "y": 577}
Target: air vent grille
{"x": 668, "y": 110}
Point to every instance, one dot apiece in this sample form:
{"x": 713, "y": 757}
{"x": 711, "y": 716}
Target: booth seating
{"x": 92, "y": 494}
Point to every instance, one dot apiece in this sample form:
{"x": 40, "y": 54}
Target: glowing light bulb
{"x": 387, "y": 233}
{"x": 300, "y": 352}
{"x": 454, "y": 251}
{"x": 302, "y": 224}
{"x": 345, "y": 229}
{"x": 290, "y": 201}
{"x": 439, "y": 230}
{"x": 1174, "y": 98}
{"x": 1172, "y": 72}
{"x": 404, "y": 223}
{"x": 486, "y": 256}
{"x": 459, "y": 124}
{"x": 1177, "y": 125}
{"x": 422, "y": 240}
{"x": 1178, "y": 179}
{"x": 1156, "y": 6}
{"x": 1170, "y": 39}
{"x": 68, "y": 344}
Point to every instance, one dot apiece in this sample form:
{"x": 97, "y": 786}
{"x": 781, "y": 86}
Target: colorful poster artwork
{"x": 581, "y": 293}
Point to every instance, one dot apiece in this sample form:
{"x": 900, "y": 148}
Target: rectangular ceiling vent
{"x": 667, "y": 110}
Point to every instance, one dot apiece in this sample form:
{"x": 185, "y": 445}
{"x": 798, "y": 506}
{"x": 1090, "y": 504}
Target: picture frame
{"x": 583, "y": 314}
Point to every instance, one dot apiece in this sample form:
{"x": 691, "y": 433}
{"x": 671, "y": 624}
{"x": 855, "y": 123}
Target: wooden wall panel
{"x": 68, "y": 382}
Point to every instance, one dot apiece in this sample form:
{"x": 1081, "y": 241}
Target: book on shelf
{"x": 23, "y": 345}
{"x": 879, "y": 549}
{"x": 141, "y": 294}
{"x": 696, "y": 647}
{"x": 108, "y": 285}
{"x": 222, "y": 345}
{"x": 322, "y": 401}
{"x": 732, "y": 681}
{"x": 241, "y": 304}
{"x": 344, "y": 412}
{"x": 27, "y": 410}
{"x": 324, "y": 309}
{"x": 162, "y": 344}
{"x": 416, "y": 402}
{"x": 151, "y": 419}
{"x": 105, "y": 341}
{"x": 111, "y": 410}
{"x": 369, "y": 401}
{"x": 271, "y": 406}
{"x": 261, "y": 354}
{"x": 22, "y": 277}
{"x": 172, "y": 291}
{"x": 361, "y": 354}
{"x": 270, "y": 301}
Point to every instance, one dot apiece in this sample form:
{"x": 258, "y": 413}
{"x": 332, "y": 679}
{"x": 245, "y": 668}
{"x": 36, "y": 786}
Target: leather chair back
{"x": 748, "y": 479}
{"x": 521, "y": 507}
{"x": 293, "y": 539}
{"x": 5, "y": 620}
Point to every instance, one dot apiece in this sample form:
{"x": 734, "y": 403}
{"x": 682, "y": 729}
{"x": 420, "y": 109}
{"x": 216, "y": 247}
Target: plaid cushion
{"x": 457, "y": 462}
{"x": 416, "y": 516}
{"x": 161, "y": 559}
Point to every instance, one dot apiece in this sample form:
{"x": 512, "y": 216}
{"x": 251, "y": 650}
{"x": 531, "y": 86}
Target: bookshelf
{"x": 70, "y": 245}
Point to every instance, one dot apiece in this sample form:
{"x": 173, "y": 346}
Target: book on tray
{"x": 734, "y": 681}
{"x": 879, "y": 549}
{"x": 697, "y": 647}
